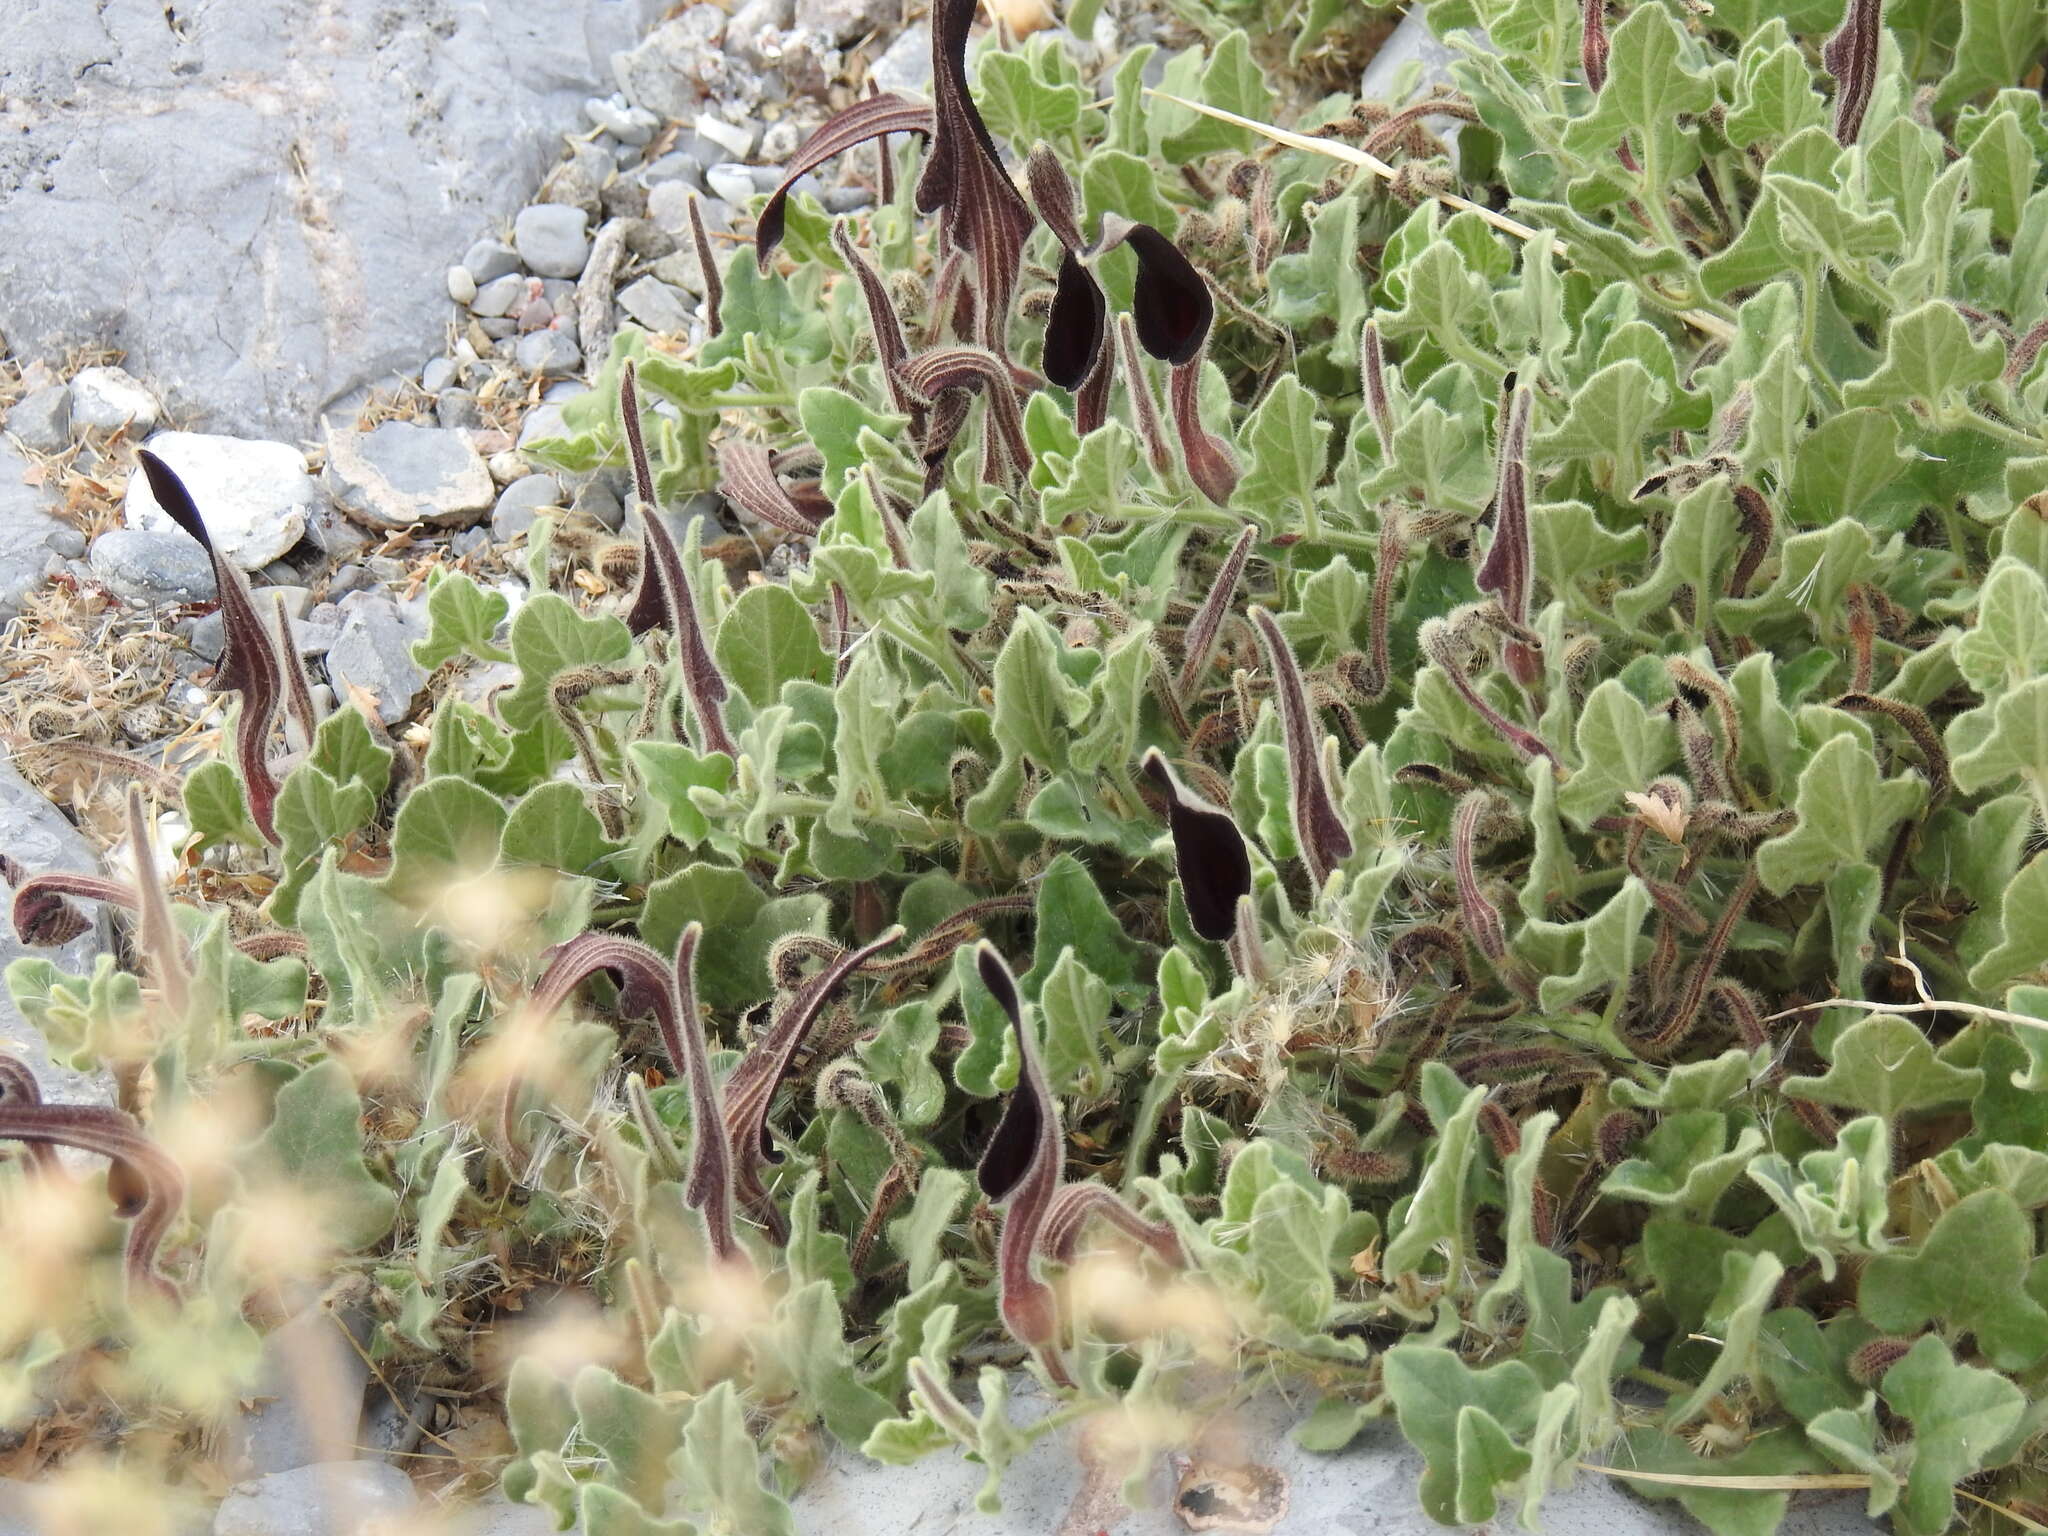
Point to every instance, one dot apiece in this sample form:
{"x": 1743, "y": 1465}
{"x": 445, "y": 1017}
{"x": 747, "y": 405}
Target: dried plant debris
{"x": 1416, "y": 778}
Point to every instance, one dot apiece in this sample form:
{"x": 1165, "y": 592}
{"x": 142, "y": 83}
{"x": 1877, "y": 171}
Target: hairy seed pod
{"x": 1868, "y": 1364}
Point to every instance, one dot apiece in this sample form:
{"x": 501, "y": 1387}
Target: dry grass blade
{"x": 1335, "y": 149}
{"x": 1778, "y": 1482}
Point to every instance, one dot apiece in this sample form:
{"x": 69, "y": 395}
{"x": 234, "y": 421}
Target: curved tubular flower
{"x": 751, "y": 1088}
{"x": 43, "y": 916}
{"x": 870, "y": 118}
{"x": 18, "y": 1086}
{"x": 1071, "y": 1209}
{"x": 672, "y": 995}
{"x": 156, "y": 934}
{"x": 1211, "y": 464}
{"x": 664, "y": 599}
{"x": 1851, "y": 56}
{"x": 1439, "y": 641}
{"x": 892, "y": 349}
{"x": 1208, "y": 620}
{"x": 1209, "y": 853}
{"x": 943, "y": 369}
{"x": 248, "y": 664}
{"x": 1318, "y": 827}
{"x": 986, "y": 216}
{"x": 1511, "y": 557}
{"x": 111, "y": 1134}
{"x": 1021, "y": 1164}
{"x": 746, "y": 478}
{"x": 1170, "y": 300}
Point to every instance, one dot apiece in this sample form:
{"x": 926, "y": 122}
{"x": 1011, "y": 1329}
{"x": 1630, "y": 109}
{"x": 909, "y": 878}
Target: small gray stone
{"x": 399, "y": 474}
{"x": 733, "y": 182}
{"x": 332, "y": 535}
{"x": 498, "y": 329}
{"x": 41, "y": 419}
{"x": 496, "y": 299}
{"x": 255, "y": 496}
{"x": 665, "y": 75}
{"x": 577, "y": 180}
{"x": 624, "y": 198}
{"x": 374, "y": 652}
{"x": 736, "y": 139}
{"x": 673, "y": 166}
{"x": 469, "y": 542}
{"x": 681, "y": 270}
{"x": 296, "y": 599}
{"x": 668, "y": 204}
{"x": 845, "y": 21}
{"x": 599, "y": 499}
{"x": 629, "y": 125}
{"x": 67, "y": 542}
{"x": 437, "y": 375}
{"x": 846, "y": 199}
{"x": 150, "y": 567}
{"x": 461, "y": 284}
{"x": 653, "y": 304}
{"x": 106, "y": 398}
{"x": 334, "y": 1498}
{"x": 520, "y": 503}
{"x": 745, "y": 31}
{"x": 544, "y": 420}
{"x": 458, "y": 408}
{"x": 778, "y": 144}
{"x": 490, "y": 259}
{"x": 553, "y": 238}
{"x": 906, "y": 64}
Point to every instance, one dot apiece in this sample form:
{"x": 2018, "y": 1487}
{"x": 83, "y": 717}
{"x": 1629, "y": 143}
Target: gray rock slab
{"x": 26, "y": 529}
{"x": 42, "y": 418}
{"x": 256, "y": 497}
{"x": 311, "y": 1391}
{"x": 332, "y": 156}
{"x": 374, "y": 652}
{"x": 40, "y": 838}
{"x": 336, "y": 1498}
{"x": 145, "y": 566}
{"x": 398, "y": 474}
{"x": 1366, "y": 1490}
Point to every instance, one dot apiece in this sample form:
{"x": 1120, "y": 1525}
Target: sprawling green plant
{"x": 1515, "y": 801}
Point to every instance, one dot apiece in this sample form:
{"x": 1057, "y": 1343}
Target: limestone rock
{"x": 334, "y": 1498}
{"x": 42, "y": 419}
{"x": 25, "y": 533}
{"x": 398, "y": 474}
{"x": 39, "y": 837}
{"x": 331, "y": 157}
{"x": 107, "y": 398}
{"x": 256, "y": 497}
{"x": 374, "y": 652}
{"x": 151, "y": 567}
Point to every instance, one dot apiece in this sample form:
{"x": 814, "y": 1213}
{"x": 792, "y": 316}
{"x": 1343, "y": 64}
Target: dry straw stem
{"x": 1700, "y": 320}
